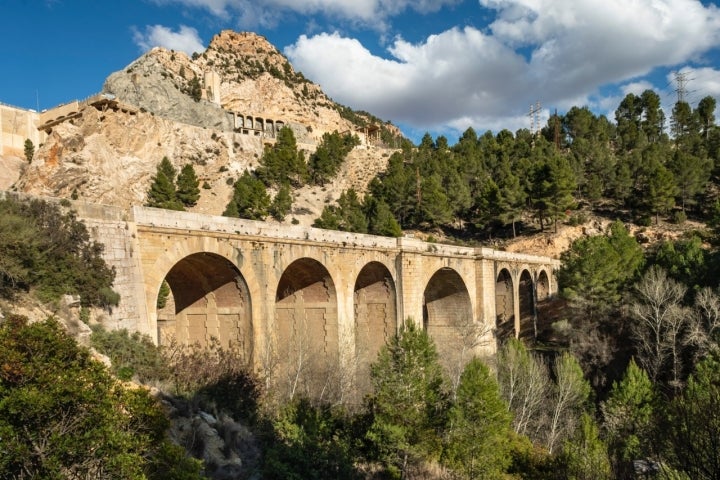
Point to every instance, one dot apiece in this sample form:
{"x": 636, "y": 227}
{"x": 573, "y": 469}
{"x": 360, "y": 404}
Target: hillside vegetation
{"x": 505, "y": 184}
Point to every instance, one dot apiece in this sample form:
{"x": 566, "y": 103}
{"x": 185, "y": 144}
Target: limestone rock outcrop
{"x": 216, "y": 111}
{"x": 151, "y": 85}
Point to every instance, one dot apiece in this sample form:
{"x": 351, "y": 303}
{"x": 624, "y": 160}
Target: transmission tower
{"x": 535, "y": 118}
{"x": 681, "y": 80}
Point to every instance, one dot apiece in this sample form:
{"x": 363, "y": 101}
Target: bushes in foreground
{"x": 46, "y": 249}
{"x": 62, "y": 415}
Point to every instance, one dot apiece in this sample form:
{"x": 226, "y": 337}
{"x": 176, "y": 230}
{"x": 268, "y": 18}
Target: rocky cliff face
{"x": 190, "y": 110}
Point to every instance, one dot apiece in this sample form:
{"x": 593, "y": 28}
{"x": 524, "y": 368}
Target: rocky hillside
{"x": 196, "y": 110}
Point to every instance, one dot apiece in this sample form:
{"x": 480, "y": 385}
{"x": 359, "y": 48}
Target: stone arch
{"x": 446, "y": 309}
{"x": 259, "y": 124}
{"x": 542, "y": 286}
{"x": 270, "y": 127}
{"x": 375, "y": 312}
{"x": 526, "y": 300}
{"x": 306, "y": 321}
{"x": 249, "y": 122}
{"x": 504, "y": 305}
{"x": 279, "y": 124}
{"x": 210, "y": 299}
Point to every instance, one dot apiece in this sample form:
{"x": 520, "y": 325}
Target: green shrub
{"x": 62, "y": 415}
{"x": 44, "y": 249}
{"x": 679, "y": 217}
{"x": 644, "y": 221}
{"x": 132, "y": 355}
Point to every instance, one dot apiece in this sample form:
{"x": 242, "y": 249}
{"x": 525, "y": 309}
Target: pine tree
{"x": 188, "y": 186}
{"x": 282, "y": 203}
{"x": 408, "y": 403}
{"x": 432, "y": 206}
{"x": 478, "y": 441}
{"x": 329, "y": 218}
{"x": 595, "y": 270}
{"x": 560, "y": 194}
{"x": 660, "y": 190}
{"x": 351, "y": 212}
{"x": 585, "y": 455}
{"x": 282, "y": 162}
{"x": 166, "y": 167}
{"x": 690, "y": 432}
{"x": 380, "y": 218}
{"x": 250, "y": 199}
{"x": 512, "y": 197}
{"x": 628, "y": 419}
{"x": 162, "y": 193}
{"x": 29, "y": 150}
{"x": 329, "y": 155}
{"x": 396, "y": 188}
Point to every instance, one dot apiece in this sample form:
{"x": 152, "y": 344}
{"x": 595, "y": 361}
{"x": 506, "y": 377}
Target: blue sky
{"x": 426, "y": 65}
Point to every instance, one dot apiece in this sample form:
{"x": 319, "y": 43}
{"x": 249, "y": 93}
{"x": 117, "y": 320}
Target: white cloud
{"x": 370, "y": 13}
{"x": 185, "y": 40}
{"x": 557, "y": 51}
{"x": 636, "y": 88}
{"x": 451, "y": 75}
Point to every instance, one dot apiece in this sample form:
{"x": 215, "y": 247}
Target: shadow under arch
{"x": 375, "y": 312}
{"x": 542, "y": 288}
{"x": 504, "y": 306}
{"x": 526, "y": 298}
{"x": 306, "y": 320}
{"x": 446, "y": 310}
{"x": 209, "y": 298}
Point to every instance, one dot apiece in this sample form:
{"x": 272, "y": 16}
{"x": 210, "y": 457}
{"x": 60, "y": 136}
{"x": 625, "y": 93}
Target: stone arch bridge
{"x": 262, "y": 285}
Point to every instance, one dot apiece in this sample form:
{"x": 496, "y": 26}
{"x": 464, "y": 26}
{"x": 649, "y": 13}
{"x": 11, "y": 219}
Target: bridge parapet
{"x": 513, "y": 257}
{"x": 159, "y": 218}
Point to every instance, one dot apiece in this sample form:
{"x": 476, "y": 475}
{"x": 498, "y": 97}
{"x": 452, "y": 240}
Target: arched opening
{"x": 504, "y": 306}
{"x": 269, "y": 128}
{"x": 543, "y": 287}
{"x": 447, "y": 311}
{"x": 375, "y": 316}
{"x": 307, "y": 326}
{"x": 259, "y": 124}
{"x": 249, "y": 122}
{"x": 208, "y": 299}
{"x": 526, "y": 296}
